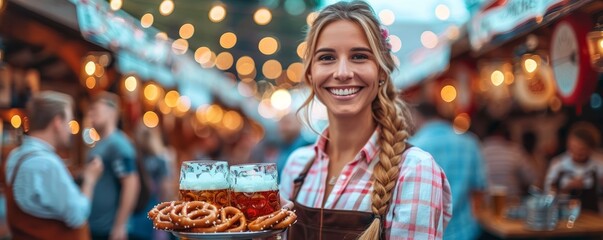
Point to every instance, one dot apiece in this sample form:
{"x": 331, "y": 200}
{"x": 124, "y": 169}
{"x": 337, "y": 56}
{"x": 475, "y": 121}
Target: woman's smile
{"x": 344, "y": 92}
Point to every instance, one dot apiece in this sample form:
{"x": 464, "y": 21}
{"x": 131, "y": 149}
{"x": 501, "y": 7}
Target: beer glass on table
{"x": 255, "y": 189}
{"x": 205, "y": 180}
{"x": 499, "y": 198}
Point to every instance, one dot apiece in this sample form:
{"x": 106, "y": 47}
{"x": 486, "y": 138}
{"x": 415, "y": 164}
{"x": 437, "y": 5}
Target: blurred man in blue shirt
{"x": 43, "y": 201}
{"x": 116, "y": 193}
{"x": 460, "y": 157}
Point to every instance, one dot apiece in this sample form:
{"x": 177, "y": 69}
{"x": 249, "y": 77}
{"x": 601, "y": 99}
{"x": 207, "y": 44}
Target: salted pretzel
{"x": 276, "y": 220}
{"x": 231, "y": 220}
{"x": 176, "y": 215}
{"x": 203, "y": 217}
{"x": 287, "y": 221}
{"x": 153, "y": 212}
{"x": 234, "y": 218}
{"x": 163, "y": 220}
{"x": 197, "y": 214}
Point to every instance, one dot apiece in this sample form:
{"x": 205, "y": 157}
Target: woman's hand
{"x": 286, "y": 204}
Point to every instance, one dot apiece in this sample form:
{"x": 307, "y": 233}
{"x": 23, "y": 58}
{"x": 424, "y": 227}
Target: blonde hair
{"x": 390, "y": 113}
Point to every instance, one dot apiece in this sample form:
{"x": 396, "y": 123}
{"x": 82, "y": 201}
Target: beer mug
{"x": 499, "y": 198}
{"x": 205, "y": 180}
{"x": 255, "y": 189}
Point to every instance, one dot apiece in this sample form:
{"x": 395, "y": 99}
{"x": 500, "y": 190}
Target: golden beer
{"x": 499, "y": 198}
{"x": 205, "y": 180}
{"x": 220, "y": 197}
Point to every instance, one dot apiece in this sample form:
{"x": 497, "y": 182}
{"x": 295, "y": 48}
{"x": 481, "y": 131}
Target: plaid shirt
{"x": 421, "y": 203}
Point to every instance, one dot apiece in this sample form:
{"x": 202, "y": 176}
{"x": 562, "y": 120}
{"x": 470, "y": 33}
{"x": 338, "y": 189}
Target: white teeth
{"x": 344, "y": 92}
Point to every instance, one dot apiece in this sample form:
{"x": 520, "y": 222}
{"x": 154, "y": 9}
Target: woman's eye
{"x": 359, "y": 56}
{"x": 326, "y": 58}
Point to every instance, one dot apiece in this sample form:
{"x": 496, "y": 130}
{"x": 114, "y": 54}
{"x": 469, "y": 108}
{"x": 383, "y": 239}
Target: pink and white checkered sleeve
{"x": 422, "y": 202}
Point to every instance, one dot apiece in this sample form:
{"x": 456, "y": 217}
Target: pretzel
{"x": 203, "y": 217}
{"x": 175, "y": 215}
{"x": 162, "y": 219}
{"x": 153, "y": 212}
{"x": 281, "y": 218}
{"x": 287, "y": 221}
{"x": 198, "y": 214}
{"x": 231, "y": 220}
{"x": 235, "y": 219}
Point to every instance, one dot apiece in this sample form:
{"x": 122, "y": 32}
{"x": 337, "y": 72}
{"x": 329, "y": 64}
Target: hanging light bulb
{"x": 595, "y": 45}
{"x": 217, "y": 13}
{"x": 166, "y": 7}
{"x": 115, "y": 4}
{"x": 146, "y": 20}
{"x": 262, "y": 16}
{"x": 530, "y": 64}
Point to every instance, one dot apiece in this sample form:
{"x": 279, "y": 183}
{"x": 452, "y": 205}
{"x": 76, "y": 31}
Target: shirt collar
{"x": 37, "y": 143}
{"x": 368, "y": 151}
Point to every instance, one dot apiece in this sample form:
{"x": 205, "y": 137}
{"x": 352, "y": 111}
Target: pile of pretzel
{"x": 203, "y": 217}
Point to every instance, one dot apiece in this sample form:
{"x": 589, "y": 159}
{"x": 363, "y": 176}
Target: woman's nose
{"x": 343, "y": 71}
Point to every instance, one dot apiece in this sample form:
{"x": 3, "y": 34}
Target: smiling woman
{"x": 362, "y": 175}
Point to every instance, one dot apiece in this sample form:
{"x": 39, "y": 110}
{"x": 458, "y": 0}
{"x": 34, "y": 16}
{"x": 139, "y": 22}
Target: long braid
{"x": 392, "y": 116}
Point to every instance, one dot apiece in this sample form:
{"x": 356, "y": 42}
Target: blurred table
{"x": 588, "y": 224}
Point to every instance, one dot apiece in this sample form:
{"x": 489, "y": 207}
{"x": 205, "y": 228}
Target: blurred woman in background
{"x": 156, "y": 181}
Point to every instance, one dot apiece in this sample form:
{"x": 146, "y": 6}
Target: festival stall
{"x": 41, "y": 49}
{"x": 535, "y": 65}
{"x": 521, "y": 58}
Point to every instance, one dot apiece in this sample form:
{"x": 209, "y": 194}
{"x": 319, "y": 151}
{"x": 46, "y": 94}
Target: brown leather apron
{"x": 320, "y": 223}
{"x": 25, "y": 226}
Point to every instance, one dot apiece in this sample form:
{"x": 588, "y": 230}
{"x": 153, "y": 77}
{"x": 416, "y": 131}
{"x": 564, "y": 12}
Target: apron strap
{"x": 17, "y": 166}
{"x": 299, "y": 181}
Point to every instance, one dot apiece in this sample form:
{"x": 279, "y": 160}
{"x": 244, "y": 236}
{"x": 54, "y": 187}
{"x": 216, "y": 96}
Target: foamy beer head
{"x": 255, "y": 189}
{"x": 205, "y": 181}
{"x": 257, "y": 177}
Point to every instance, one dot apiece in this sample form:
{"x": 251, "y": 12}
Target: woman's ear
{"x": 382, "y": 74}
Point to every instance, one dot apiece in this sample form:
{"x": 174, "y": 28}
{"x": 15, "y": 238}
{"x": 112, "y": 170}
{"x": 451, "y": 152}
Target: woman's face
{"x": 344, "y": 72}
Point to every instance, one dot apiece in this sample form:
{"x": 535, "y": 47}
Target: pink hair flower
{"x": 385, "y": 35}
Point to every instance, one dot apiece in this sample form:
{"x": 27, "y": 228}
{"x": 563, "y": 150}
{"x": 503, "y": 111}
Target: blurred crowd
{"x": 492, "y": 162}
{"x": 126, "y": 174}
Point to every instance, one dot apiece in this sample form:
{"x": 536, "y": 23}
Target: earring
{"x": 381, "y": 82}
